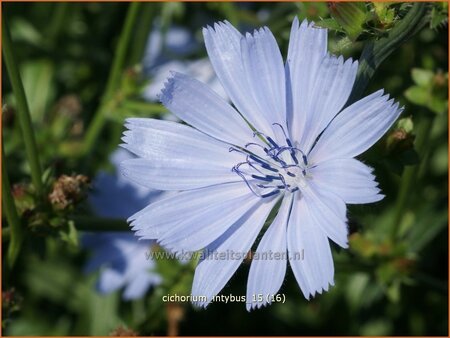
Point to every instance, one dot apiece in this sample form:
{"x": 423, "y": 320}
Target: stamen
{"x": 282, "y": 129}
{"x": 274, "y": 192}
{"x": 268, "y": 178}
{"x": 290, "y": 174}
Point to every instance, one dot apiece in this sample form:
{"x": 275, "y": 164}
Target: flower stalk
{"x": 15, "y": 226}
{"x": 91, "y": 223}
{"x": 99, "y": 119}
{"x": 23, "y": 111}
{"x": 409, "y": 176}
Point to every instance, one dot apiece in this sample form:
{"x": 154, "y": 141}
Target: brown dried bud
{"x": 19, "y": 190}
{"x": 404, "y": 265}
{"x": 439, "y": 79}
{"x": 69, "y": 105}
{"x": 399, "y": 140}
{"x": 122, "y": 331}
{"x": 68, "y": 190}
{"x": 11, "y": 301}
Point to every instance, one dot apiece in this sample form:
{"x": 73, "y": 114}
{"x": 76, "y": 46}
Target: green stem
{"x": 23, "y": 111}
{"x": 90, "y": 223}
{"x": 142, "y": 34}
{"x": 144, "y": 108}
{"x": 15, "y": 226}
{"x": 58, "y": 20}
{"x": 409, "y": 176}
{"x": 99, "y": 119}
{"x": 6, "y": 234}
{"x": 375, "y": 52}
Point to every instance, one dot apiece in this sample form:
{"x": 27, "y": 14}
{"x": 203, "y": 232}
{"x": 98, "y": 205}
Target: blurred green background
{"x": 82, "y": 78}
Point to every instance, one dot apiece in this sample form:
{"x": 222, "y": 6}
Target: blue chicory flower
{"x": 200, "y": 69}
{"x": 159, "y": 59}
{"x": 289, "y": 140}
{"x": 123, "y": 260}
{"x": 161, "y": 48}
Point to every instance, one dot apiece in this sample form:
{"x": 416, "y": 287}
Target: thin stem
{"x": 142, "y": 34}
{"x": 99, "y": 119}
{"x": 58, "y": 20}
{"x": 6, "y": 234}
{"x": 144, "y": 108}
{"x": 409, "y": 176}
{"x": 23, "y": 111}
{"x": 15, "y": 226}
{"x": 90, "y": 223}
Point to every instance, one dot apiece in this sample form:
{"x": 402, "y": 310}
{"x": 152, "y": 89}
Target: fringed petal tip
{"x": 250, "y": 306}
{"x": 200, "y": 305}
{"x": 216, "y": 27}
{"x": 310, "y": 294}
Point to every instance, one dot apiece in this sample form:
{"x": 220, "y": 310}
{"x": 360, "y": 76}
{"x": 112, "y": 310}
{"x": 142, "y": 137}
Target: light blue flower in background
{"x": 121, "y": 258}
{"x": 114, "y": 196}
{"x": 300, "y": 153}
{"x": 122, "y": 261}
{"x": 200, "y": 69}
{"x": 162, "y": 48}
{"x": 160, "y": 55}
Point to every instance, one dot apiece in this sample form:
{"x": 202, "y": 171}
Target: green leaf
{"x": 422, "y": 77}
{"x": 437, "y": 105}
{"x": 427, "y": 226}
{"x": 418, "y": 95}
{"x": 439, "y": 15}
{"x": 98, "y": 312}
{"x": 351, "y": 16}
{"x": 25, "y": 31}
{"x": 49, "y": 279}
{"x": 39, "y": 87}
{"x": 406, "y": 124}
{"x": 385, "y": 14}
{"x": 330, "y": 23}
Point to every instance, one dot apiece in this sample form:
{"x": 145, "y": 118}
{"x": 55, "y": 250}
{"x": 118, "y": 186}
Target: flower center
{"x": 271, "y": 168}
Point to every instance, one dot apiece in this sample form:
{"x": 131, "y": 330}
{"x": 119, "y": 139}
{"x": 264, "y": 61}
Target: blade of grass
{"x": 99, "y": 118}
{"x": 23, "y": 111}
{"x": 12, "y": 217}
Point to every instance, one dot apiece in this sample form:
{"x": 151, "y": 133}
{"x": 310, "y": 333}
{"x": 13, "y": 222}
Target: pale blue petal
{"x": 356, "y": 128}
{"x": 309, "y": 251}
{"x": 223, "y": 43}
{"x": 196, "y": 104}
{"x": 139, "y": 285}
{"x": 307, "y": 48}
{"x": 201, "y": 216}
{"x": 350, "y": 179}
{"x": 110, "y": 280}
{"x": 121, "y": 259}
{"x": 329, "y": 93}
{"x": 213, "y": 273}
{"x": 328, "y": 211}
{"x": 264, "y": 69}
{"x": 194, "y": 233}
{"x": 266, "y": 275}
{"x": 105, "y": 250}
{"x": 175, "y": 156}
{"x": 170, "y": 174}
